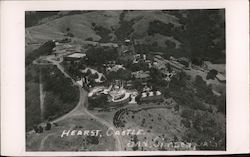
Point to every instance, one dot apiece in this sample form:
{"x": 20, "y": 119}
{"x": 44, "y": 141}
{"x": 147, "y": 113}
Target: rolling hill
{"x": 88, "y": 25}
{"x": 190, "y": 33}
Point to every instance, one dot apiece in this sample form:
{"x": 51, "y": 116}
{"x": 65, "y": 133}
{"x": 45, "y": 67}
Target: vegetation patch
{"x": 63, "y": 95}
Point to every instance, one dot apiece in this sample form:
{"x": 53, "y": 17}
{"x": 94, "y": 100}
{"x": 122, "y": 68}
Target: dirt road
{"x": 81, "y": 107}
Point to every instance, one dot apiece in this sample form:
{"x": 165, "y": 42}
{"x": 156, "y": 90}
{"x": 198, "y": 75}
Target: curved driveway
{"x": 82, "y": 104}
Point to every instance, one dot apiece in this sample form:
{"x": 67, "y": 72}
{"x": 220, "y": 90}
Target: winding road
{"x": 81, "y": 107}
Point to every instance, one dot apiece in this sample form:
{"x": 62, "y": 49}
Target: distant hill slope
{"x": 80, "y": 25}
{"x": 191, "y": 33}
{"x": 142, "y": 20}
{"x": 90, "y": 25}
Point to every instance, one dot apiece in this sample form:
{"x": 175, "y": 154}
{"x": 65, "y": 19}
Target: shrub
{"x": 212, "y": 74}
{"x": 45, "y": 49}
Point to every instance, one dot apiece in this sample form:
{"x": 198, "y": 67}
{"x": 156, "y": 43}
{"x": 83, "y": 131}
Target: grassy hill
{"x": 82, "y": 26}
{"x": 191, "y": 33}
{"x": 93, "y": 24}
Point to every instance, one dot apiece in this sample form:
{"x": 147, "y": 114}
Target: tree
{"x": 199, "y": 82}
{"x": 103, "y": 33}
{"x": 40, "y": 129}
{"x": 88, "y": 72}
{"x": 123, "y": 74}
{"x": 156, "y": 77}
{"x": 138, "y": 98}
{"x": 103, "y": 78}
{"x": 45, "y": 49}
{"x": 90, "y": 39}
{"x": 204, "y": 91}
{"x": 100, "y": 55}
{"x": 48, "y": 126}
{"x": 169, "y": 67}
{"x": 212, "y": 74}
{"x": 196, "y": 61}
{"x": 125, "y": 28}
{"x": 157, "y": 26}
{"x": 93, "y": 76}
{"x": 138, "y": 85}
{"x": 202, "y": 28}
{"x": 98, "y": 101}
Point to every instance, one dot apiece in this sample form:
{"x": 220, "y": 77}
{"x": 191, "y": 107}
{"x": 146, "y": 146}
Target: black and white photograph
{"x": 125, "y": 80}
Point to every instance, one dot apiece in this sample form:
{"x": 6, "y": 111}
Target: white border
{"x": 12, "y": 69}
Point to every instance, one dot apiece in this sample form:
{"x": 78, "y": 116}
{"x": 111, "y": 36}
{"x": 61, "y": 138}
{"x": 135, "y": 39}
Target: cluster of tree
{"x": 121, "y": 74}
{"x": 204, "y": 91}
{"x": 125, "y": 29}
{"x": 69, "y": 33}
{"x": 138, "y": 85}
{"x": 56, "y": 82}
{"x": 157, "y": 26}
{"x": 73, "y": 70}
{"x": 62, "y": 94}
{"x": 212, "y": 74}
{"x": 194, "y": 98}
{"x": 38, "y": 129}
{"x": 44, "y": 49}
{"x": 93, "y": 76}
{"x": 182, "y": 94}
{"x": 137, "y": 66}
{"x": 48, "y": 126}
{"x": 135, "y": 140}
{"x": 169, "y": 49}
{"x": 202, "y": 34}
{"x": 169, "y": 29}
{"x": 102, "y": 32}
{"x": 89, "y": 39}
{"x": 97, "y": 56}
{"x": 197, "y": 60}
{"x": 141, "y": 47}
{"x": 205, "y": 130}
{"x": 32, "y": 95}
{"x": 99, "y": 101}
{"x": 156, "y": 78}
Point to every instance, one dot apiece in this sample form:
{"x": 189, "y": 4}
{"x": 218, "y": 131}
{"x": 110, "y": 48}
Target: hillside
{"x": 90, "y": 25}
{"x": 177, "y": 33}
{"x": 82, "y": 26}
